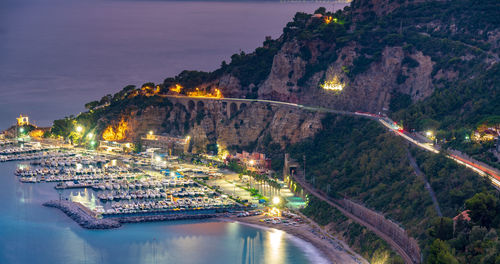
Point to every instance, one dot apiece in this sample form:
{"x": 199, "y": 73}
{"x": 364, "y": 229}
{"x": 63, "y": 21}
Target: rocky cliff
{"x": 375, "y": 56}
{"x": 371, "y": 50}
{"x": 248, "y": 126}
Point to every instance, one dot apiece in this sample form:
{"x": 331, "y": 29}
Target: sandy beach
{"x": 334, "y": 250}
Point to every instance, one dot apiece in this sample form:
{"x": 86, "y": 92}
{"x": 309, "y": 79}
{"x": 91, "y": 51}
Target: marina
{"x": 60, "y": 193}
{"x": 119, "y": 185}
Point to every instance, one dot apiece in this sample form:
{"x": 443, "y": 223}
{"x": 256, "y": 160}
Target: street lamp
{"x": 90, "y": 135}
{"x": 428, "y": 133}
{"x": 151, "y": 132}
{"x": 79, "y": 129}
{"x": 21, "y": 130}
{"x": 252, "y": 162}
{"x": 276, "y": 200}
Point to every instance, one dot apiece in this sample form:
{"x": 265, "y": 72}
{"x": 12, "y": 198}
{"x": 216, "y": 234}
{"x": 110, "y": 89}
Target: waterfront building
{"x": 254, "y": 161}
{"x": 166, "y": 143}
{"x": 113, "y": 146}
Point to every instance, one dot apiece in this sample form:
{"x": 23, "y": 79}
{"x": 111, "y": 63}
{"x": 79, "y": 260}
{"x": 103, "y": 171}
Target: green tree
{"x": 442, "y": 228}
{"x": 439, "y": 253}
{"x": 91, "y": 105}
{"x": 320, "y": 10}
{"x": 483, "y": 208}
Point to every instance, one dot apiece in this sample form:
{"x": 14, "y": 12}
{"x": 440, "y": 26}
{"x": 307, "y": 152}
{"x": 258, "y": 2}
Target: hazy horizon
{"x": 57, "y": 55}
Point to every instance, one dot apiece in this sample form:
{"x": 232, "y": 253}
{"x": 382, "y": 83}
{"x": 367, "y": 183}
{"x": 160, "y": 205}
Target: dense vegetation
{"x": 458, "y": 189}
{"x": 356, "y": 158}
{"x": 455, "y": 34}
{"x": 250, "y": 69}
{"x": 456, "y": 110}
{"x": 358, "y": 237}
{"x": 95, "y": 120}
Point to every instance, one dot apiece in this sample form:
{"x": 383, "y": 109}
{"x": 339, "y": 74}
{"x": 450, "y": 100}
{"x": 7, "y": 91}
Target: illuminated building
{"x": 253, "y": 161}
{"x": 23, "y": 120}
{"x": 486, "y": 133}
{"x": 115, "y": 146}
{"x": 166, "y": 143}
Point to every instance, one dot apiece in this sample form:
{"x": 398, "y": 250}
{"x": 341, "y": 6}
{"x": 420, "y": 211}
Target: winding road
{"x": 476, "y": 166}
{"x": 392, "y": 126}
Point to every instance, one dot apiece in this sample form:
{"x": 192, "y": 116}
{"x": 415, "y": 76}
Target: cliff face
{"x": 359, "y": 59}
{"x": 247, "y": 126}
{"x": 375, "y": 48}
{"x": 369, "y": 91}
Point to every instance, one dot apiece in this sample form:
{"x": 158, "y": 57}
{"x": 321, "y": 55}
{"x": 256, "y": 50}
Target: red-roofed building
{"x": 462, "y": 216}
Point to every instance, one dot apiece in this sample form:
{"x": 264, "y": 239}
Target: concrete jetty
{"x": 87, "y": 219}
{"x": 84, "y": 217}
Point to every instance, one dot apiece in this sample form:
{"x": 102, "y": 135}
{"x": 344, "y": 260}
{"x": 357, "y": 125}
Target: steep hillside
{"x": 433, "y": 65}
{"x": 429, "y": 64}
{"x": 253, "y": 126}
{"x": 376, "y": 50}
{"x": 358, "y": 159}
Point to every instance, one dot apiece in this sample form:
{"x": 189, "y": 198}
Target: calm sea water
{"x": 31, "y": 233}
{"x": 56, "y": 55}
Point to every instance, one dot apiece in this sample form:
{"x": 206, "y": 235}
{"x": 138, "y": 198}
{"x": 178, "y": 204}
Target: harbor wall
{"x": 80, "y": 215}
{"x": 89, "y": 220}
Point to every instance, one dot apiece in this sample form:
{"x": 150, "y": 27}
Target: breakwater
{"x": 82, "y": 216}
{"x": 87, "y": 219}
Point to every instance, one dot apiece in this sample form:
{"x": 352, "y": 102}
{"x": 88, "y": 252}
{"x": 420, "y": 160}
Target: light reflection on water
{"x": 275, "y": 237}
{"x": 31, "y": 233}
{"x": 85, "y": 197}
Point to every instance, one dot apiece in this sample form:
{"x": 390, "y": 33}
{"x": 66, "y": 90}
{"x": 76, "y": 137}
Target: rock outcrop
{"x": 212, "y": 124}
{"x": 367, "y": 57}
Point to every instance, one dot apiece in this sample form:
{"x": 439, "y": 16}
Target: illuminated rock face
{"x": 112, "y": 133}
{"x": 177, "y": 88}
{"x": 201, "y": 93}
{"x": 249, "y": 123}
{"x": 334, "y": 84}
{"x": 210, "y": 93}
{"x": 38, "y": 133}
